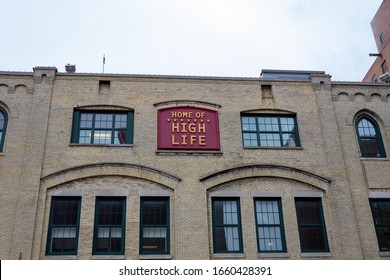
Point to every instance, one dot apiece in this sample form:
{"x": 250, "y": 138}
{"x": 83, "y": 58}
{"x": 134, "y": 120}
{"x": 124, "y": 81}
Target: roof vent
{"x": 70, "y": 68}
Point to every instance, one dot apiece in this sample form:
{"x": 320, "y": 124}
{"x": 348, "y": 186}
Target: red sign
{"x": 188, "y": 128}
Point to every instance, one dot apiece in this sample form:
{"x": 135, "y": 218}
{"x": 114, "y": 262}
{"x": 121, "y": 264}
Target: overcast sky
{"x": 189, "y": 37}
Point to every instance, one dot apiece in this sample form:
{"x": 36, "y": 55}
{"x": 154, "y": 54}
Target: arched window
{"x": 370, "y": 139}
{"x": 3, "y": 127}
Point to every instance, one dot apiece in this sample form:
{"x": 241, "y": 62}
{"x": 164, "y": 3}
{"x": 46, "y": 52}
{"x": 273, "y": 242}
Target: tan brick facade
{"x": 39, "y": 162}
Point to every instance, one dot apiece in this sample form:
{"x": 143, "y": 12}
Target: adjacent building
{"x": 380, "y": 24}
{"x": 290, "y": 165}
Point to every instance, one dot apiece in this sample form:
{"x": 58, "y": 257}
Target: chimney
{"x": 70, "y": 68}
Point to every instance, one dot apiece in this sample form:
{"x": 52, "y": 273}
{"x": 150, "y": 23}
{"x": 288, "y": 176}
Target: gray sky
{"x": 189, "y": 37}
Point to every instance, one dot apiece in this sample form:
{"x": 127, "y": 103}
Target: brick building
{"x": 380, "y": 25}
{"x": 290, "y": 165}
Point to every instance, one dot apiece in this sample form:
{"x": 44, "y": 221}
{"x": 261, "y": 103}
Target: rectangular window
{"x": 102, "y": 127}
{"x": 269, "y": 223}
{"x": 3, "y": 127}
{"x": 382, "y": 38}
{"x": 385, "y": 67}
{"x": 311, "y": 225}
{"x": 154, "y": 226}
{"x": 380, "y": 209}
{"x": 109, "y": 229}
{"x": 227, "y": 234}
{"x": 63, "y": 226}
{"x": 269, "y": 131}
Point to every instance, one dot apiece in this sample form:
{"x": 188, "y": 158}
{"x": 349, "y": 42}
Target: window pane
{"x": 154, "y": 212}
{"x": 154, "y": 225}
{"x": 116, "y": 232}
{"x": 269, "y": 131}
{"x": 311, "y": 225}
{"x": 250, "y": 139}
{"x": 218, "y": 212}
{"x": 64, "y": 232}
{"x": 312, "y": 239}
{"x": 383, "y": 234}
{"x": 102, "y": 137}
{"x": 248, "y": 123}
{"x": 86, "y": 120}
{"x": 269, "y": 227}
{"x": 103, "y": 245}
{"x": 226, "y": 226}
{"x": 308, "y": 212}
{"x": 382, "y": 38}
{"x": 65, "y": 212}
{"x": 85, "y": 137}
{"x": 381, "y": 214}
{"x": 110, "y": 212}
{"x": 109, "y": 229}
{"x": 104, "y": 128}
{"x": 227, "y": 239}
{"x": 370, "y": 147}
{"x": 63, "y": 226}
{"x": 288, "y": 127}
{"x": 120, "y": 121}
{"x": 226, "y": 212}
{"x": 103, "y": 120}
{"x": 385, "y": 67}
{"x": 270, "y": 239}
{"x": 268, "y": 124}
{"x": 289, "y": 140}
{"x": 154, "y": 239}
{"x": 370, "y": 140}
{"x": 3, "y": 119}
{"x": 63, "y": 245}
{"x": 120, "y": 137}
{"x": 270, "y": 140}
{"x": 366, "y": 128}
{"x": 103, "y": 232}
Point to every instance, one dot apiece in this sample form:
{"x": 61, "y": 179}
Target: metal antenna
{"x": 104, "y": 61}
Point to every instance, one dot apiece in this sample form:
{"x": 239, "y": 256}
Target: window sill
{"x": 102, "y": 145}
{"x": 272, "y": 148}
{"x": 384, "y": 254}
{"x": 317, "y": 255}
{"x": 155, "y": 257}
{"x": 188, "y": 153}
{"x": 2, "y": 154}
{"x": 273, "y": 255}
{"x": 374, "y": 159}
{"x": 107, "y": 257}
{"x": 61, "y": 257}
{"x": 221, "y": 256}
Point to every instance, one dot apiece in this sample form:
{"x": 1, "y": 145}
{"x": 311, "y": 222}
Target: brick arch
{"x": 368, "y": 110}
{"x": 186, "y": 102}
{"x": 20, "y": 88}
{"x": 4, "y": 87}
{"x": 102, "y": 107}
{"x": 110, "y": 169}
{"x": 265, "y": 170}
{"x": 267, "y": 111}
{"x": 359, "y": 94}
{"x": 10, "y": 108}
{"x": 343, "y": 95}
